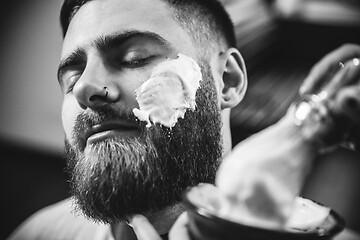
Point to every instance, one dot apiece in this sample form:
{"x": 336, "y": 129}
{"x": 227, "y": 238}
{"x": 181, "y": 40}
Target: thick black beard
{"x": 117, "y": 177}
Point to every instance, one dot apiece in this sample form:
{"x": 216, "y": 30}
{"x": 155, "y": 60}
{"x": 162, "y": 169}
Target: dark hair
{"x": 205, "y": 20}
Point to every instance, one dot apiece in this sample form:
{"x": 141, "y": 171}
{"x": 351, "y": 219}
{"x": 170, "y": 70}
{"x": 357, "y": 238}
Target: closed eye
{"x": 72, "y": 64}
{"x": 136, "y": 63}
{"x": 71, "y": 82}
{"x": 69, "y": 79}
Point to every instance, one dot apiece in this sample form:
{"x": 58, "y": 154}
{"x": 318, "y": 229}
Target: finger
{"x": 347, "y": 103}
{"x": 350, "y": 74}
{"x": 179, "y": 230}
{"x": 327, "y": 66}
{"x": 318, "y": 75}
{"x": 143, "y": 228}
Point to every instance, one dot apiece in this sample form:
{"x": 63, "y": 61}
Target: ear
{"x": 234, "y": 78}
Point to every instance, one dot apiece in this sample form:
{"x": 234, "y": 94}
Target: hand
{"x": 143, "y": 228}
{"x": 179, "y": 230}
{"x": 336, "y": 81}
{"x": 343, "y": 102}
{"x": 343, "y": 91}
{"x": 327, "y": 66}
{"x": 145, "y": 231}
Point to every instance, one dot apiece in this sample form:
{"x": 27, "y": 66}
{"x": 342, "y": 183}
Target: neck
{"x": 161, "y": 220}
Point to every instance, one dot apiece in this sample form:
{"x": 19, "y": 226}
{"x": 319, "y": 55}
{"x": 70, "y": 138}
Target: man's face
{"x": 118, "y": 165}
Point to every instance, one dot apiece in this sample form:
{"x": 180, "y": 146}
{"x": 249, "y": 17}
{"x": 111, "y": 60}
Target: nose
{"x": 93, "y": 88}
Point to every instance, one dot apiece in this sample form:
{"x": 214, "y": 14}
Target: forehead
{"x": 100, "y": 18}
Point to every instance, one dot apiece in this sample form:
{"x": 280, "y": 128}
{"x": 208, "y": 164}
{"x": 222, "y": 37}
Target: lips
{"x": 106, "y": 130}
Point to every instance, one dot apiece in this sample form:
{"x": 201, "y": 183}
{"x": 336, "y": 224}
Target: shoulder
{"x": 59, "y": 221}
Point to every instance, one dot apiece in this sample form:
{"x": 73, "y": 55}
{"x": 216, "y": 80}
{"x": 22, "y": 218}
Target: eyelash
{"x": 72, "y": 83}
{"x": 136, "y": 62}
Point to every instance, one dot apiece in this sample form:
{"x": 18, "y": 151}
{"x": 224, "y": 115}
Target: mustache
{"x": 86, "y": 120}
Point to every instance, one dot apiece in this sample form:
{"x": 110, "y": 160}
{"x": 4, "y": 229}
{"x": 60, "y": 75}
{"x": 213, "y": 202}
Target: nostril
{"x": 96, "y": 98}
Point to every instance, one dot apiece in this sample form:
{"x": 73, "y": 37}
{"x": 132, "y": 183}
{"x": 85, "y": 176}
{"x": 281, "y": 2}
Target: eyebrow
{"x": 105, "y": 43}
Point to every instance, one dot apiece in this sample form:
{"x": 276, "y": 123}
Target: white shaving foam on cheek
{"x": 169, "y": 92}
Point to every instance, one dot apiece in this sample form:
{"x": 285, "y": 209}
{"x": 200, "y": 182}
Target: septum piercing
{"x": 106, "y": 92}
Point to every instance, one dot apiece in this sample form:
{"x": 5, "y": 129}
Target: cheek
{"x": 69, "y": 113}
{"x": 128, "y": 96}
{"x": 219, "y": 84}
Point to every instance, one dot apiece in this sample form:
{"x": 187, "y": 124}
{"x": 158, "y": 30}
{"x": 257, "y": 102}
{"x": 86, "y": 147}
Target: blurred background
{"x": 31, "y": 135}
{"x": 280, "y": 41}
